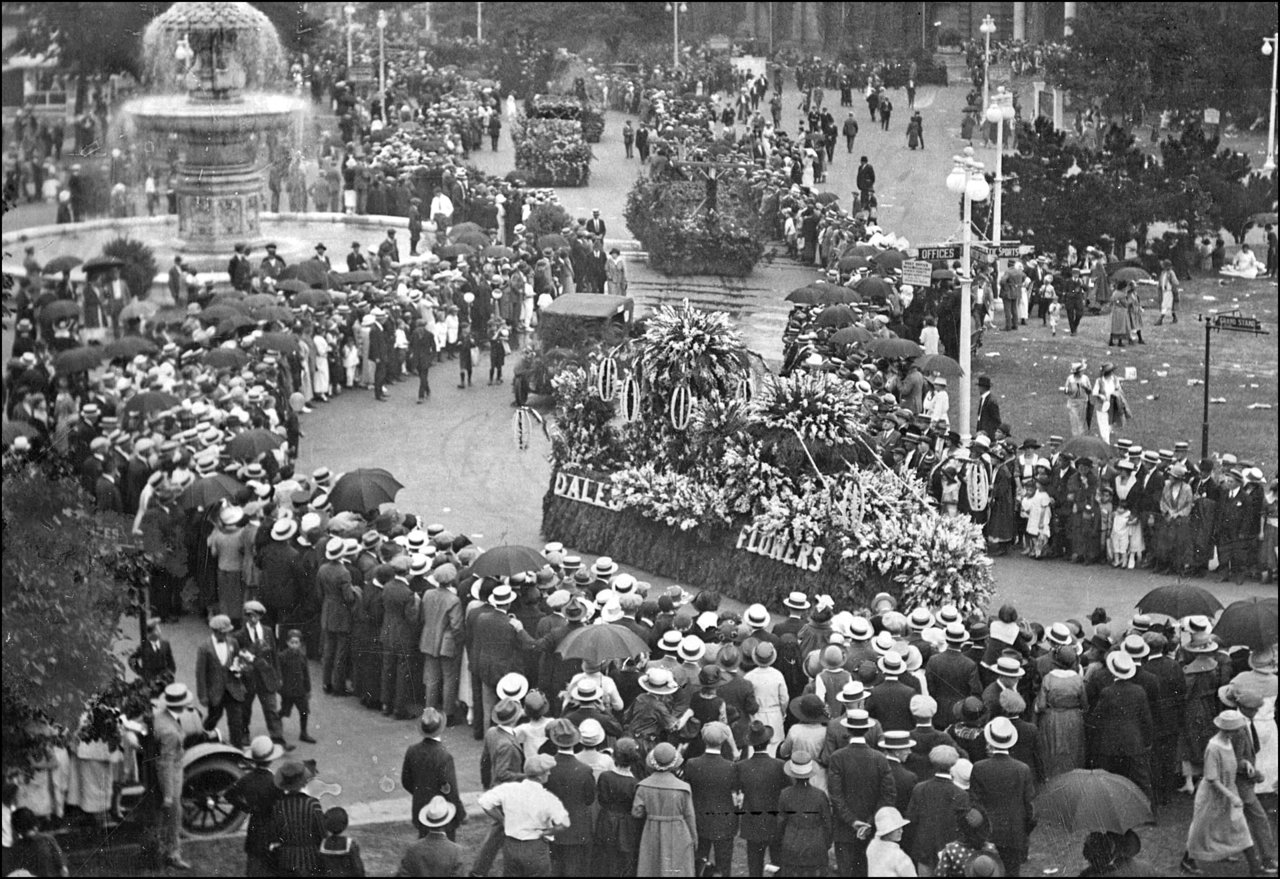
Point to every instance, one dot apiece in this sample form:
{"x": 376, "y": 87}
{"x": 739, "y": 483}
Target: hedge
{"x": 704, "y": 558}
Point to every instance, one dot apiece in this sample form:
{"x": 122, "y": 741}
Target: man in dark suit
{"x": 154, "y": 657}
{"x": 951, "y": 675}
{"x": 890, "y": 700}
{"x": 1166, "y": 716}
{"x": 498, "y": 641}
{"x": 239, "y": 268}
{"x": 1151, "y": 486}
{"x": 1004, "y": 787}
{"x": 761, "y": 780}
{"x": 596, "y": 225}
{"x": 434, "y": 854}
{"x": 218, "y": 688}
{"x": 334, "y": 583}
{"x": 859, "y": 782}
{"x": 931, "y": 809}
{"x": 106, "y": 493}
{"x": 1122, "y": 718}
{"x": 711, "y": 778}
{"x": 1235, "y": 526}
{"x": 255, "y": 793}
{"x": 281, "y": 588}
{"x": 379, "y": 354}
{"x": 399, "y": 620}
{"x": 924, "y": 709}
{"x": 574, "y": 784}
{"x": 264, "y": 680}
{"x": 796, "y": 604}
{"x": 896, "y": 745}
{"x": 428, "y": 772}
{"x": 866, "y": 181}
{"x": 988, "y": 408}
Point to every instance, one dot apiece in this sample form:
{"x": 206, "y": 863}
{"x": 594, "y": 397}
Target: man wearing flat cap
{"x": 263, "y": 675}
{"x": 220, "y": 685}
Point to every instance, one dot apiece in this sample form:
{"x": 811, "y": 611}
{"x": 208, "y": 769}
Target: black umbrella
{"x": 230, "y": 325}
{"x": 150, "y": 402}
{"x": 285, "y": 343}
{"x": 129, "y": 347}
{"x": 357, "y": 277}
{"x": 939, "y": 363}
{"x": 248, "y": 445}
{"x": 453, "y": 251}
{"x": 874, "y": 287}
{"x": 852, "y": 263}
{"x": 60, "y": 264}
{"x": 77, "y": 360}
{"x": 59, "y": 309}
{"x": 313, "y": 299}
{"x": 498, "y": 251}
{"x": 359, "y": 491}
{"x": 293, "y": 285}
{"x": 215, "y": 313}
{"x": 852, "y": 336}
{"x": 101, "y": 263}
{"x": 507, "y": 561}
{"x": 895, "y": 348}
{"x": 1087, "y": 446}
{"x": 226, "y": 358}
{"x": 208, "y": 491}
{"x": 1179, "y": 600}
{"x": 1251, "y": 622}
{"x": 837, "y": 316}
{"x": 601, "y": 643}
{"x": 311, "y": 272}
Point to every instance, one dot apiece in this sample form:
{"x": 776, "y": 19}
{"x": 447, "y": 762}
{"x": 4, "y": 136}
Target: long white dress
{"x": 771, "y": 694}
{"x": 320, "y": 381}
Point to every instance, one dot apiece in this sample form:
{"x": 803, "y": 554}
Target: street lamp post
{"x": 1269, "y": 46}
{"x": 999, "y": 112}
{"x": 350, "y": 10}
{"x": 988, "y": 27}
{"x": 382, "y": 63}
{"x": 676, "y": 9}
{"x": 966, "y": 180}
{"x": 479, "y": 22}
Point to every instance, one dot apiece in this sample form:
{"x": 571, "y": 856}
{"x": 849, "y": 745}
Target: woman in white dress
{"x": 320, "y": 381}
{"x": 770, "y": 691}
{"x": 1078, "y": 388}
{"x": 1260, "y": 682}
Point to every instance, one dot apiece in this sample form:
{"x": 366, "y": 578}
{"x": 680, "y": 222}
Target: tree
{"x": 62, "y": 605}
{"x": 1215, "y": 188}
{"x": 1134, "y": 58}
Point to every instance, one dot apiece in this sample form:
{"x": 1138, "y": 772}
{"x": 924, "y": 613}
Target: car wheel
{"x": 206, "y": 811}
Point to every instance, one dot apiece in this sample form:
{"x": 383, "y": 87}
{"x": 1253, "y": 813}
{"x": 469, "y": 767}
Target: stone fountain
{"x": 217, "y": 60}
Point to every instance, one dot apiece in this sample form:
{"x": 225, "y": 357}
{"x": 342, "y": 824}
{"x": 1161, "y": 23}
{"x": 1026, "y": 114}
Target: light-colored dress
{"x": 1061, "y": 706}
{"x": 320, "y": 381}
{"x": 1263, "y": 685}
{"x": 808, "y": 737}
{"x": 665, "y": 803}
{"x": 771, "y": 695}
{"x": 1218, "y": 829}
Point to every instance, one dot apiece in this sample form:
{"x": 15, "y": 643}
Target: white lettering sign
{"x": 585, "y": 490}
{"x": 803, "y": 555}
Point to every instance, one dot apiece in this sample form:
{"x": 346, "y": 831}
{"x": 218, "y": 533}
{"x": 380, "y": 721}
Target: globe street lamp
{"x": 988, "y": 27}
{"x": 1269, "y": 46}
{"x": 966, "y": 180}
{"x": 999, "y": 112}
{"x": 350, "y": 11}
{"x": 382, "y": 62}
{"x": 676, "y": 9}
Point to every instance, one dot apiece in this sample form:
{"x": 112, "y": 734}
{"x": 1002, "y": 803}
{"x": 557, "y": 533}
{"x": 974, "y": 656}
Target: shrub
{"x": 547, "y": 219}
{"x": 140, "y": 266}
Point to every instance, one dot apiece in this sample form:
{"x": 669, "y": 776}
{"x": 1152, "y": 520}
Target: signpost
{"x": 940, "y": 251}
{"x": 917, "y": 272}
{"x": 1005, "y": 249}
{"x": 1231, "y": 323}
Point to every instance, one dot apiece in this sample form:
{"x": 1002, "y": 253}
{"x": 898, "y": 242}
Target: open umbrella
{"x": 1129, "y": 273}
{"x": 943, "y": 275}
{"x": 889, "y": 259}
{"x": 14, "y": 429}
{"x": 60, "y": 264}
{"x": 364, "y": 489}
{"x": 552, "y": 239}
{"x": 357, "y": 277}
{"x": 170, "y": 315}
{"x": 940, "y": 364}
{"x": 867, "y": 250}
{"x": 874, "y": 288}
{"x": 260, "y": 300}
{"x": 293, "y": 285}
{"x": 601, "y": 643}
{"x": 77, "y": 360}
{"x": 313, "y": 299}
{"x": 837, "y": 316}
{"x": 453, "y": 251}
{"x": 273, "y": 312}
{"x": 827, "y": 197}
{"x": 1086, "y": 446}
{"x": 150, "y": 402}
{"x": 102, "y": 263}
{"x": 853, "y": 263}
{"x": 461, "y": 228}
{"x": 142, "y": 309}
{"x": 215, "y": 313}
{"x": 231, "y": 298}
{"x": 128, "y": 348}
{"x": 230, "y": 325}
{"x": 59, "y": 309}
{"x": 226, "y": 358}
{"x": 475, "y": 239}
{"x": 311, "y": 272}
{"x": 285, "y": 343}
{"x": 1087, "y": 800}
{"x": 498, "y": 251}
{"x": 208, "y": 491}
{"x": 1251, "y": 622}
{"x": 507, "y": 561}
{"x": 249, "y": 444}
{"x": 895, "y": 348}
{"x": 852, "y": 336}
{"x": 1179, "y": 600}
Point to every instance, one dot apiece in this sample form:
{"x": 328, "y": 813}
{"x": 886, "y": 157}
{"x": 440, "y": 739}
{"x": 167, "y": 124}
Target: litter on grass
{"x": 1259, "y": 405}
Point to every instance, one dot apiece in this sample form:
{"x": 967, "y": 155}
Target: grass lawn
{"x": 1028, "y": 366}
{"x": 1053, "y": 852}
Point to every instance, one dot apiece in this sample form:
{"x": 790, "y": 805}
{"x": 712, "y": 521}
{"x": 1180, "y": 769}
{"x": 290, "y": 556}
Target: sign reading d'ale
{"x": 586, "y": 490}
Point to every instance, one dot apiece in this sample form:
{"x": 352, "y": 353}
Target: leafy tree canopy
{"x": 611, "y": 22}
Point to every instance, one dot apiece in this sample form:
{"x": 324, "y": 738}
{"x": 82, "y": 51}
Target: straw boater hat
{"x": 1000, "y": 733}
{"x": 756, "y": 616}
{"x": 691, "y": 648}
{"x": 1121, "y": 665}
{"x": 439, "y": 812}
{"x": 658, "y": 680}
{"x": 263, "y": 751}
{"x": 175, "y": 697}
{"x": 512, "y": 685}
{"x": 796, "y": 601}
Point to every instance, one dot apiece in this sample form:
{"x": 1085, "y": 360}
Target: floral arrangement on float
{"x": 680, "y": 453}
{"x": 551, "y": 152}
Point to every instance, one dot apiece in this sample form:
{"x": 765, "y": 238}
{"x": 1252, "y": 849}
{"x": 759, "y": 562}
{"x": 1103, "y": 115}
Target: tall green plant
{"x": 140, "y": 267}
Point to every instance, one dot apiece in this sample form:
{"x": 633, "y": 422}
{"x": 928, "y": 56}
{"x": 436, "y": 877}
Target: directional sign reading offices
{"x": 940, "y": 251}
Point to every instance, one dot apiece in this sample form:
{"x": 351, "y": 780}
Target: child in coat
{"x": 499, "y": 333}
{"x": 465, "y": 355}
{"x": 295, "y": 683}
{"x": 339, "y": 854}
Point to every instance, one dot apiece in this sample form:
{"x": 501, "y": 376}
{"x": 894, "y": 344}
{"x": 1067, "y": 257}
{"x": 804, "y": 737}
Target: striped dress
{"x": 298, "y": 825}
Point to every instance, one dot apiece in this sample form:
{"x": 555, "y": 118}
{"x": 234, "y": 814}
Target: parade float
{"x": 676, "y": 452}
{"x": 587, "y": 113}
{"x": 551, "y": 152}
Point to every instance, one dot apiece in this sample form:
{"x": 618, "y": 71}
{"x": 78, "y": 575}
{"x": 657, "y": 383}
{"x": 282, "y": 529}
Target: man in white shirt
{"x": 529, "y": 814}
{"x": 441, "y": 210}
